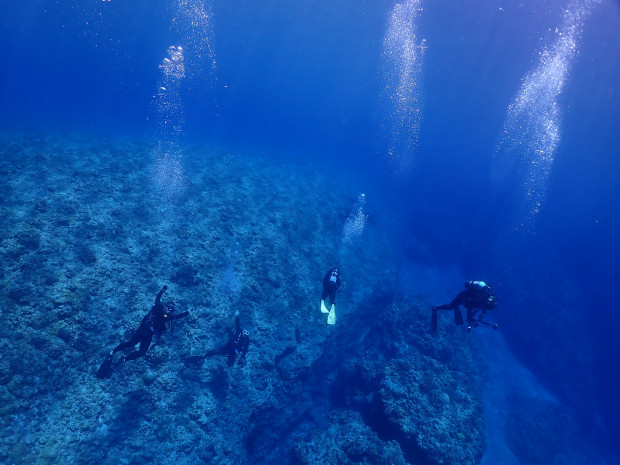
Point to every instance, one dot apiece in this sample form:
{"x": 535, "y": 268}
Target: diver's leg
{"x": 332, "y": 296}
{"x": 434, "y": 319}
{"x": 458, "y": 317}
{"x": 129, "y": 344}
{"x": 222, "y": 350}
{"x": 145, "y": 342}
{"x": 441, "y": 307}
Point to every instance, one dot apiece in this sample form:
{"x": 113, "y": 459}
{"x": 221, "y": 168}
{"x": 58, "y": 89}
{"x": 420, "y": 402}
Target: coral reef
{"x": 347, "y": 440}
{"x": 418, "y": 389}
{"x": 87, "y": 241}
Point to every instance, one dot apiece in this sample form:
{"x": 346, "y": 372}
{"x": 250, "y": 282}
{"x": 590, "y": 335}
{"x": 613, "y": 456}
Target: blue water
{"x": 539, "y": 220}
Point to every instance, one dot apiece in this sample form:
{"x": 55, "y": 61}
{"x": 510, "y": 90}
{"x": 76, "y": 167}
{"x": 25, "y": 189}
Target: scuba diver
{"x": 237, "y": 345}
{"x": 153, "y": 324}
{"x": 477, "y": 297}
{"x": 331, "y": 283}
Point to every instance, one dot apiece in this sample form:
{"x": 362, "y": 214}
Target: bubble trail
{"x": 402, "y": 70}
{"x": 193, "y": 19}
{"x": 354, "y": 225}
{"x": 532, "y": 127}
{"x": 170, "y": 118}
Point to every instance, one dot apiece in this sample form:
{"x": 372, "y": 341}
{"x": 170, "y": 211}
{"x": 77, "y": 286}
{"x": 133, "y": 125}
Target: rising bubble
{"x": 402, "y": 57}
{"x": 354, "y": 225}
{"x": 532, "y": 127}
{"x": 193, "y": 19}
{"x": 170, "y": 119}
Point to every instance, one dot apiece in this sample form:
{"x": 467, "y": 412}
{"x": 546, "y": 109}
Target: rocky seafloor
{"x": 88, "y": 238}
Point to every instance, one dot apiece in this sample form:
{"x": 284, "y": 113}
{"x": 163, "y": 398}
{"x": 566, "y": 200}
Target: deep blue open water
{"x": 484, "y": 135}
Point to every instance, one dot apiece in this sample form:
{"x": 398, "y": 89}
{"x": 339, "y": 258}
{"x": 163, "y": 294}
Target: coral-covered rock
{"x": 247, "y": 235}
{"x": 347, "y": 440}
{"x": 434, "y": 409}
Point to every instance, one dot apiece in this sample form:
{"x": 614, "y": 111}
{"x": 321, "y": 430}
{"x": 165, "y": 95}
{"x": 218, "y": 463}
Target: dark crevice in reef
{"x": 361, "y": 391}
{"x": 386, "y": 431}
{"x": 333, "y": 384}
{"x": 275, "y": 428}
{"x": 312, "y": 394}
{"x": 369, "y": 404}
{"x": 263, "y": 434}
{"x": 375, "y": 385}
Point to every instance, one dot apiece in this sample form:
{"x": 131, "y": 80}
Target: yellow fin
{"x": 331, "y": 318}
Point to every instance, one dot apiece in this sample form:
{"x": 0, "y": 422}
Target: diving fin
{"x": 323, "y": 307}
{"x": 106, "y": 368}
{"x": 331, "y": 318}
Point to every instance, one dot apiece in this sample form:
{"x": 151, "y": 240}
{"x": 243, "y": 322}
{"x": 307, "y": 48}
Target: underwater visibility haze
{"x": 235, "y": 152}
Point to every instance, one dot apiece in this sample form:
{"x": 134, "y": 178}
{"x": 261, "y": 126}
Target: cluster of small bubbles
{"x": 194, "y": 21}
{"x": 168, "y": 170}
{"x": 173, "y": 66}
{"x": 355, "y": 223}
{"x": 531, "y": 132}
{"x": 170, "y": 119}
{"x": 167, "y": 98}
{"x": 402, "y": 71}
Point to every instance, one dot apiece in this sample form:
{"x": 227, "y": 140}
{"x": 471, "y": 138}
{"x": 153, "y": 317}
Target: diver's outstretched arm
{"x": 159, "y": 294}
{"x": 179, "y": 316}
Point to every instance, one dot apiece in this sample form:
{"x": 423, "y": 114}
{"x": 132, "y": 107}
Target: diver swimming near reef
{"x": 153, "y": 324}
{"x": 477, "y": 297}
{"x": 331, "y": 283}
{"x": 237, "y": 345}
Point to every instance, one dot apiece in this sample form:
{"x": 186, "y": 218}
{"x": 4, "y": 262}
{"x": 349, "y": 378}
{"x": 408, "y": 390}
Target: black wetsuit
{"x": 473, "y": 300}
{"x": 153, "y": 324}
{"x": 331, "y": 283}
{"x": 238, "y": 344}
